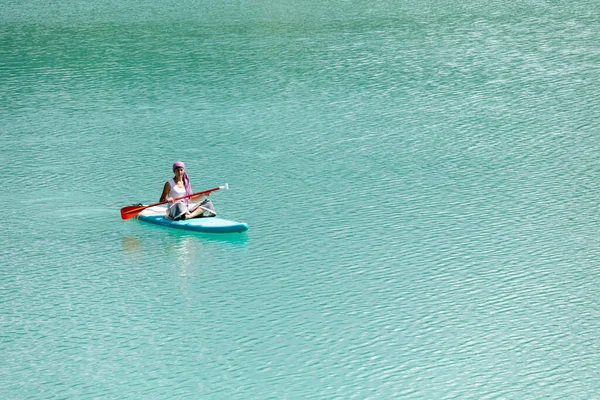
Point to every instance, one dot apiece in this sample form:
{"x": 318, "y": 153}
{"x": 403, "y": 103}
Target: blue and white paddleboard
{"x": 156, "y": 215}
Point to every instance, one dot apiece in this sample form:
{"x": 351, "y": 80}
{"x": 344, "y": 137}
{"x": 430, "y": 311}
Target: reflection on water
{"x": 131, "y": 244}
{"x": 179, "y": 243}
{"x": 190, "y": 255}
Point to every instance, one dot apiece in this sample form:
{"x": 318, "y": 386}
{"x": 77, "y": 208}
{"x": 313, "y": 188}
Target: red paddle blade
{"x": 132, "y": 211}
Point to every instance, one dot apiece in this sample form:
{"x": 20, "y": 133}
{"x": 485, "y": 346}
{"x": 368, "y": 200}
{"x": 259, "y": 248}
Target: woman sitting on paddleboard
{"x": 179, "y": 186}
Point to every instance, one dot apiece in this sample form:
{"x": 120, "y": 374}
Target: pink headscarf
{"x": 186, "y": 180}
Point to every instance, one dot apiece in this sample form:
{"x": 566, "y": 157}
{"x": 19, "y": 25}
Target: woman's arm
{"x": 165, "y": 192}
{"x": 198, "y": 197}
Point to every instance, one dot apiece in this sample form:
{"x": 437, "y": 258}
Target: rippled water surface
{"x": 420, "y": 180}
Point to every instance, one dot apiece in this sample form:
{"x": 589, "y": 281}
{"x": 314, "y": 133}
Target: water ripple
{"x": 419, "y": 185}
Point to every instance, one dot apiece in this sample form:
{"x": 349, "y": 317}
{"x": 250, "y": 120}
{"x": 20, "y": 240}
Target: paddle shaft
{"x": 132, "y": 211}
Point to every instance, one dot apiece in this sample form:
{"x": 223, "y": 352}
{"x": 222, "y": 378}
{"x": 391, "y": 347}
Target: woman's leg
{"x": 204, "y": 209}
{"x": 177, "y": 211}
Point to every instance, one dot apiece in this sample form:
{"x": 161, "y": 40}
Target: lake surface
{"x": 420, "y": 180}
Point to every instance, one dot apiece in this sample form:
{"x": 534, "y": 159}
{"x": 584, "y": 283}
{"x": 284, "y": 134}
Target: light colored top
{"x": 176, "y": 191}
{"x": 179, "y": 207}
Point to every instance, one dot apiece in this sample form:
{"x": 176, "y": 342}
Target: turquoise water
{"x": 420, "y": 182}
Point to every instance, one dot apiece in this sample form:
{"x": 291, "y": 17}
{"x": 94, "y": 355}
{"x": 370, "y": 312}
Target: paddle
{"x": 132, "y": 211}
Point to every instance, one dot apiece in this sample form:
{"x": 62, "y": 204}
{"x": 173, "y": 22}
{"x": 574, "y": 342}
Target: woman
{"x": 179, "y": 186}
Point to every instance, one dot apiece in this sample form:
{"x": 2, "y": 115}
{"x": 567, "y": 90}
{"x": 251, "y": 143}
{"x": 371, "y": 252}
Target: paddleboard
{"x": 156, "y": 215}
